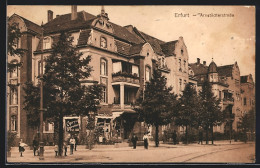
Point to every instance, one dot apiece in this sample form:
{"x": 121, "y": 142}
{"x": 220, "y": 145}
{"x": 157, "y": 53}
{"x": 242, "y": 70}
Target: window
{"x": 13, "y": 95}
{"x": 163, "y": 62}
{"x": 13, "y": 123}
{"x": 46, "y": 43}
{"x": 103, "y": 81}
{"x": 181, "y": 51}
{"x": 147, "y": 73}
{"x": 219, "y": 95}
{"x": 184, "y": 63}
{"x": 180, "y": 84}
{"x": 14, "y": 71}
{"x": 103, "y": 67}
{"x": 39, "y": 68}
{"x": 184, "y": 83}
{"x": 103, "y": 42}
{"x": 244, "y": 101}
{"x": 180, "y": 65}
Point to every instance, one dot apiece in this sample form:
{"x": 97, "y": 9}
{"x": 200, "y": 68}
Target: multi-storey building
{"x": 226, "y": 86}
{"x": 247, "y": 93}
{"x": 122, "y": 59}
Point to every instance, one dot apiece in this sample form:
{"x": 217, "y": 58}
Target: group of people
{"x": 145, "y": 139}
{"x": 72, "y": 142}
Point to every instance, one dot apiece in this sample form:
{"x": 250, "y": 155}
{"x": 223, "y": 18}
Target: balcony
{"x": 228, "y": 100}
{"x": 125, "y": 77}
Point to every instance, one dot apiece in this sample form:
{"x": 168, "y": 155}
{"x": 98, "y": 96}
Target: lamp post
{"x": 41, "y": 157}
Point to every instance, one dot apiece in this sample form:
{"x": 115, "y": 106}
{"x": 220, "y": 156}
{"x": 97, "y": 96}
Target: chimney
{"x": 198, "y": 61}
{"x": 204, "y": 62}
{"x": 73, "y": 12}
{"x": 50, "y": 15}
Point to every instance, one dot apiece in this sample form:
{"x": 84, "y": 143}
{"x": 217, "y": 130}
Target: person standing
{"x": 21, "y": 147}
{"x": 65, "y": 148}
{"x": 174, "y": 137}
{"x": 56, "y": 150}
{"x": 145, "y": 138}
{"x": 35, "y": 146}
{"x": 72, "y": 142}
{"x": 134, "y": 140}
{"x": 76, "y": 142}
{"x": 200, "y": 137}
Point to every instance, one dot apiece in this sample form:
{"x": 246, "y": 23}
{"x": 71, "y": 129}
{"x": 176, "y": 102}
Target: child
{"x": 21, "y": 147}
{"x": 56, "y": 150}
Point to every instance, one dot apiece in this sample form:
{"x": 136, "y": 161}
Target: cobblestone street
{"x": 221, "y": 151}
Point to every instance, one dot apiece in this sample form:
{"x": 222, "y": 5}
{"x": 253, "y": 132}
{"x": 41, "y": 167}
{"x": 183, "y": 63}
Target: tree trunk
{"x": 156, "y": 135}
{"x": 212, "y": 135}
{"x": 60, "y": 145}
{"x": 207, "y": 135}
{"x": 56, "y": 131}
{"x": 186, "y": 134}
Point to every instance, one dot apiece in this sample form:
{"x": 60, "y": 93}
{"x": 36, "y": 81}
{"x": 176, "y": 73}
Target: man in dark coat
{"x": 174, "y": 137}
{"x": 134, "y": 140}
{"x": 200, "y": 137}
{"x": 35, "y": 146}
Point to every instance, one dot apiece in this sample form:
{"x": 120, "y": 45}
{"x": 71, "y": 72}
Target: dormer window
{"x": 103, "y": 42}
{"x": 47, "y": 43}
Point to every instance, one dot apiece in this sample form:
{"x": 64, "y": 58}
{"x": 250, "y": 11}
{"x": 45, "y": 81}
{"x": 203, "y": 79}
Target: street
{"x": 220, "y": 152}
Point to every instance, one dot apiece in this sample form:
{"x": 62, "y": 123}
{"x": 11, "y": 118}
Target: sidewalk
{"x": 101, "y": 153}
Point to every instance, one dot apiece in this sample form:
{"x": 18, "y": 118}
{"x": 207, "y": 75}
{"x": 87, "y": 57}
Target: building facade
{"x": 123, "y": 59}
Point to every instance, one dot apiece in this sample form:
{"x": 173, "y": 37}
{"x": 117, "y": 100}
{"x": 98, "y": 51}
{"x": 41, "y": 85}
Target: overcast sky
{"x": 225, "y": 39}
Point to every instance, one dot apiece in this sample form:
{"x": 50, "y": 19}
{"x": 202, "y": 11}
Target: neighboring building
{"x": 123, "y": 59}
{"x": 16, "y": 115}
{"x": 226, "y": 86}
{"x": 247, "y": 93}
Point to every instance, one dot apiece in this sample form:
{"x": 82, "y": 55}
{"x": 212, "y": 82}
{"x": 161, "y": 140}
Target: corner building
{"x": 122, "y": 58}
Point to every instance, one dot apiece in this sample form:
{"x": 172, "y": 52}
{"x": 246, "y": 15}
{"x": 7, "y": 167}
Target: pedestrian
{"x": 56, "y": 150}
{"x": 72, "y": 143}
{"x": 134, "y": 140}
{"x": 35, "y": 146}
{"x": 21, "y": 147}
{"x": 145, "y": 138}
{"x": 174, "y": 137}
{"x": 76, "y": 142}
{"x": 65, "y": 148}
{"x": 200, "y": 137}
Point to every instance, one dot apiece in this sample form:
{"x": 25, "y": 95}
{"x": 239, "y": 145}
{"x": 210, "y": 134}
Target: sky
{"x": 225, "y": 39}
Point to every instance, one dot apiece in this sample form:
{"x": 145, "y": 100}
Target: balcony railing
{"x": 228, "y": 100}
{"x": 125, "y": 77}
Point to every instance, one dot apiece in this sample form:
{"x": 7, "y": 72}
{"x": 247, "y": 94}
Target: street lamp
{"x": 41, "y": 157}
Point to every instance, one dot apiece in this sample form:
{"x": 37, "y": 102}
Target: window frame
{"x": 105, "y": 39}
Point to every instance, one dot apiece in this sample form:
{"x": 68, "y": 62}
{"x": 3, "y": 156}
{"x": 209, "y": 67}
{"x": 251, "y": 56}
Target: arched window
{"x": 14, "y": 70}
{"x": 103, "y": 67}
{"x": 147, "y": 73}
{"x": 103, "y": 42}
